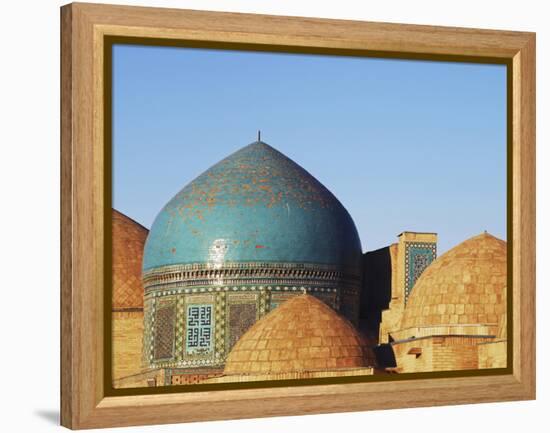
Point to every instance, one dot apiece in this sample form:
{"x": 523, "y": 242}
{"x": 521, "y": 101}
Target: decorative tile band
{"x": 164, "y": 291}
{"x": 194, "y": 275}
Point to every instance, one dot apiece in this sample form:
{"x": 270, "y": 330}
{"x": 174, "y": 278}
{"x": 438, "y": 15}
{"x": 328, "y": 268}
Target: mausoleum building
{"x": 251, "y": 232}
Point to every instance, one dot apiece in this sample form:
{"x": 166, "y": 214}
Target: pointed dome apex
{"x": 256, "y": 205}
{"x": 258, "y": 146}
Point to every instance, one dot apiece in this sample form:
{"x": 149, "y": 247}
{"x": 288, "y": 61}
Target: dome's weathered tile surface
{"x": 255, "y": 205}
{"x": 301, "y": 335}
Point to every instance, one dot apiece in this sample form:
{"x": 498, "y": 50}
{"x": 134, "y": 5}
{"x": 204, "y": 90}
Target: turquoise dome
{"x": 256, "y": 205}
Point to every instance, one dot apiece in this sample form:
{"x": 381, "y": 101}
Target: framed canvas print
{"x": 312, "y": 215}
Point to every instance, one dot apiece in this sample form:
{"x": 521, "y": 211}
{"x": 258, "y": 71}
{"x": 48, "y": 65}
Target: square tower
{"x": 410, "y": 256}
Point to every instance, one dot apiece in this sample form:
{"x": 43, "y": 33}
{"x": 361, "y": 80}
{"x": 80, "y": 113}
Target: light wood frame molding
{"x": 84, "y": 403}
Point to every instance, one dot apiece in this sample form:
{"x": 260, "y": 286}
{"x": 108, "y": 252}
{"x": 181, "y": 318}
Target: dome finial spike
{"x": 259, "y": 135}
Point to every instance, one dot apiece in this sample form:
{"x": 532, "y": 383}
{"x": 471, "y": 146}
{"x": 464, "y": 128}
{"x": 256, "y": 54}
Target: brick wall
{"x": 391, "y": 318}
{"x": 127, "y": 343}
{"x": 192, "y": 379}
{"x": 366, "y": 371}
{"x": 147, "y": 378}
{"x": 438, "y": 353}
{"x": 493, "y": 354}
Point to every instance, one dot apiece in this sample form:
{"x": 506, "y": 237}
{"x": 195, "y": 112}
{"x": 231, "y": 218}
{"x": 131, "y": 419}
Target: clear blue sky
{"x": 404, "y": 145}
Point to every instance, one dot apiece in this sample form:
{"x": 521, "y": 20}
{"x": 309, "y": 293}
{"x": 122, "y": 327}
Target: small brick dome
{"x": 465, "y": 286}
{"x": 128, "y": 242}
{"x": 303, "y": 334}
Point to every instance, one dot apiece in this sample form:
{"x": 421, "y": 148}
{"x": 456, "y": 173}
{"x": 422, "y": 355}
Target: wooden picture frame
{"x": 84, "y": 30}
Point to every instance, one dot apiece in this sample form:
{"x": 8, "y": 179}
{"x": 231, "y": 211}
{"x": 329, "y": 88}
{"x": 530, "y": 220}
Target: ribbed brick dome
{"x": 128, "y": 241}
{"x": 465, "y": 286}
{"x": 303, "y": 334}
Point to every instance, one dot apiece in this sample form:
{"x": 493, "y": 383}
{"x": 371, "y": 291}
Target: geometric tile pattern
{"x": 180, "y": 330}
{"x": 148, "y": 323}
{"x": 418, "y": 256}
{"x": 199, "y": 329}
{"x": 241, "y": 317}
{"x": 220, "y": 331}
{"x": 199, "y": 352}
{"x": 277, "y": 299}
{"x": 165, "y": 320}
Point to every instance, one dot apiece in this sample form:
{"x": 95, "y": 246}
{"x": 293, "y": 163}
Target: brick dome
{"x": 465, "y": 286}
{"x": 303, "y": 334}
{"x": 128, "y": 241}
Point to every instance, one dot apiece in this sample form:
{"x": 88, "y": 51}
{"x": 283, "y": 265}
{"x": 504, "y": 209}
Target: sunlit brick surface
{"x": 303, "y": 334}
{"x": 465, "y": 286}
{"x": 127, "y": 316}
{"x": 127, "y": 328}
{"x": 128, "y": 241}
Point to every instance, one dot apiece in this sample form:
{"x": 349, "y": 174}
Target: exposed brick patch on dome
{"x": 465, "y": 286}
{"x": 128, "y": 241}
{"x": 303, "y": 334}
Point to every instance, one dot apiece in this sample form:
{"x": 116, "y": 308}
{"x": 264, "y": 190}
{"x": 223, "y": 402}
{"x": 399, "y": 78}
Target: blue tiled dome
{"x": 256, "y": 205}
